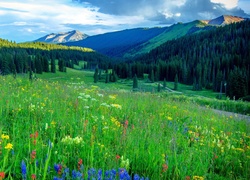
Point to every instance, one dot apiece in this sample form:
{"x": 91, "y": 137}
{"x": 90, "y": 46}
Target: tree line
{"x": 41, "y": 57}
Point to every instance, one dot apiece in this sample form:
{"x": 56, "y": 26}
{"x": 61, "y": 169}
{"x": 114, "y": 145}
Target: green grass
{"x": 203, "y": 97}
{"x": 80, "y": 126}
{"x": 177, "y": 31}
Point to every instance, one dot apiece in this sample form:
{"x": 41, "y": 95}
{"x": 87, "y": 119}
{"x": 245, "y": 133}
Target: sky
{"x": 27, "y": 20}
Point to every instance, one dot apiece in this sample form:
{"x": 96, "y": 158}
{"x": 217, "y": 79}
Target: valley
{"x": 145, "y": 103}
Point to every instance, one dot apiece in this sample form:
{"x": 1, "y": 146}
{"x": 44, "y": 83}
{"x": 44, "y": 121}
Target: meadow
{"x": 71, "y": 129}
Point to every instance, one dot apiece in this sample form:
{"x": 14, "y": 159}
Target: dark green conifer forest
{"x": 41, "y": 57}
{"x": 217, "y": 59}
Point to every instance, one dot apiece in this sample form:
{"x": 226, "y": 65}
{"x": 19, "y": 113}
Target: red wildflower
{"x": 118, "y": 157}
{"x": 79, "y": 164}
{"x": 2, "y": 175}
{"x": 33, "y": 176}
{"x": 164, "y": 167}
{"x": 36, "y": 134}
{"x": 34, "y": 142}
{"x": 33, "y": 154}
{"x": 187, "y": 178}
{"x": 215, "y": 156}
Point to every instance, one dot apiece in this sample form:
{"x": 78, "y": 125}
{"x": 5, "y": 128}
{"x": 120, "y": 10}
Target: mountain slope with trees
{"x": 217, "y": 59}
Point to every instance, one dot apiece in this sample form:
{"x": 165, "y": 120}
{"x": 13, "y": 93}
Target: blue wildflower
{"x": 58, "y": 168}
{"x": 106, "y": 174}
{"x": 113, "y": 173}
{"x": 57, "y": 178}
{"x": 23, "y": 169}
{"x": 76, "y": 174}
{"x": 136, "y": 177}
{"x": 99, "y": 174}
{"x": 91, "y": 173}
{"x": 37, "y": 163}
{"x": 65, "y": 173}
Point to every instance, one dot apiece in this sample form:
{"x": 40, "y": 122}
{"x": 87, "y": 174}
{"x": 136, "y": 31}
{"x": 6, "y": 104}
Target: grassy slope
{"x": 173, "y": 32}
{"x": 184, "y": 93}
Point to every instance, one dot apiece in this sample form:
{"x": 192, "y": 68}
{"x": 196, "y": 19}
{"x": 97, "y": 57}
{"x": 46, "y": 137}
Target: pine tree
{"x": 53, "y": 66}
{"x": 107, "y": 77}
{"x": 61, "y": 65}
{"x": 96, "y": 75}
{"x": 237, "y": 84}
{"x": 38, "y": 65}
{"x": 152, "y": 76}
{"x": 45, "y": 64}
{"x": 135, "y": 82}
{"x": 30, "y": 74}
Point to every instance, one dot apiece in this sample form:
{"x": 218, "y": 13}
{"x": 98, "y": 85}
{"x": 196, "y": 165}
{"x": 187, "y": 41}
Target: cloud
{"x": 23, "y": 20}
{"x": 168, "y": 11}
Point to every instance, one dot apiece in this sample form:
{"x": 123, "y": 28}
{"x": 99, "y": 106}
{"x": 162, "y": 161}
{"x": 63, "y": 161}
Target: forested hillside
{"x": 217, "y": 59}
{"x": 40, "y": 57}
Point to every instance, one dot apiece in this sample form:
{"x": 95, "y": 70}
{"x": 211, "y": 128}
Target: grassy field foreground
{"x": 74, "y": 131}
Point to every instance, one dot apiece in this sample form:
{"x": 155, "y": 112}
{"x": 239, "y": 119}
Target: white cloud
{"x": 35, "y": 18}
{"x": 229, "y": 4}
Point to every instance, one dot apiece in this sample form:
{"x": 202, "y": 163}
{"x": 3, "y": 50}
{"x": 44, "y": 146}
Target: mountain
{"x": 133, "y": 42}
{"x": 116, "y": 44}
{"x": 225, "y": 20}
{"x": 63, "y": 37}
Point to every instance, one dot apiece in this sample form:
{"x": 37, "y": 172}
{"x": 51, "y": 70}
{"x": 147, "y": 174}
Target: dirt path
{"x": 234, "y": 115}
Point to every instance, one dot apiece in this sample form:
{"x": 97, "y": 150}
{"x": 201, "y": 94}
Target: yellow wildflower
{"x": 198, "y": 178}
{"x": 112, "y": 96}
{"x": 169, "y": 118}
{"x": 5, "y": 136}
{"x": 116, "y": 106}
{"x": 239, "y": 149}
{"x": 9, "y": 146}
{"x": 53, "y": 123}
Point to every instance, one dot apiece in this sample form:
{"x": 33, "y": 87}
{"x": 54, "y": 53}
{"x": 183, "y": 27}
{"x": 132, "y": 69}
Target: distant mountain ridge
{"x": 63, "y": 37}
{"x": 133, "y": 42}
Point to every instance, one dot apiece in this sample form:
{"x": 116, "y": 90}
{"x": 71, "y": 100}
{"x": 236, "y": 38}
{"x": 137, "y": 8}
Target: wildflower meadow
{"x": 51, "y": 130}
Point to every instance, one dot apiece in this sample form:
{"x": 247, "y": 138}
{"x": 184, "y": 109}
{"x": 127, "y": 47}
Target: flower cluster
{"x": 6, "y": 144}
{"x": 34, "y": 137}
{"x": 69, "y": 141}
